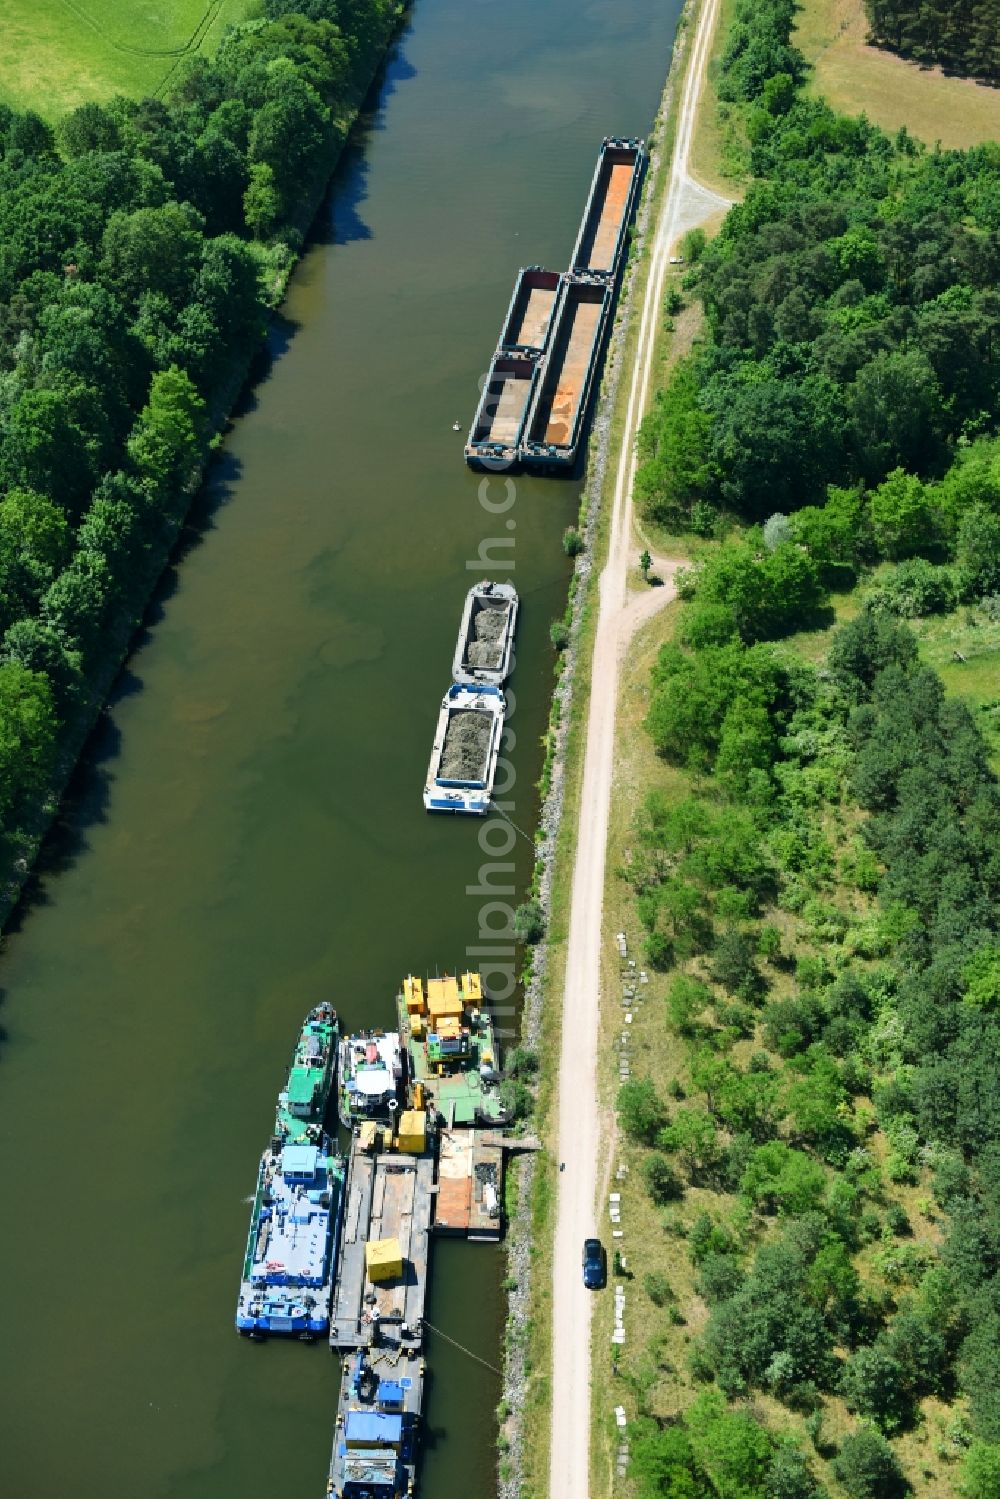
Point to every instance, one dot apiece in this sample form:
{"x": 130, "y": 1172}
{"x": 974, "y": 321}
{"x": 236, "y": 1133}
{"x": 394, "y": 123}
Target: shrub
{"x": 559, "y": 634}
{"x": 867, "y": 1466}
{"x": 658, "y": 1288}
{"x": 573, "y": 542}
{"x": 662, "y": 1180}
{"x": 529, "y": 922}
{"x": 522, "y": 1062}
{"x": 640, "y": 1110}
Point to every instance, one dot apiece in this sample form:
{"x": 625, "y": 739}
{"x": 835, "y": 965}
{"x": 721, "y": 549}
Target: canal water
{"x": 246, "y": 834}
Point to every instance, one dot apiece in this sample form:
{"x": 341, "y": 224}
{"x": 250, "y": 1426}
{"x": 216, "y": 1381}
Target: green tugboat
{"x": 452, "y": 1051}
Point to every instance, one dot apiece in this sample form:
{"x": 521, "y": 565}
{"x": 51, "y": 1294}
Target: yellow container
{"x": 413, "y": 995}
{"x": 416, "y": 1026}
{"x": 383, "y": 1259}
{"x": 443, "y": 998}
{"x": 412, "y": 1134}
{"x": 472, "y": 987}
{"x": 368, "y": 1135}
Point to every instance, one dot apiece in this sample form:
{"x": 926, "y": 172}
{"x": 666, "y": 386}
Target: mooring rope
{"x": 461, "y": 1347}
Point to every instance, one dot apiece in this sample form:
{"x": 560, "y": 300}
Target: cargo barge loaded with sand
{"x": 486, "y": 634}
{"x": 534, "y": 404}
{"x": 466, "y": 749}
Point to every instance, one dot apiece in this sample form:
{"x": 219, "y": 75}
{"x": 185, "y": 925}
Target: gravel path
{"x": 619, "y": 615}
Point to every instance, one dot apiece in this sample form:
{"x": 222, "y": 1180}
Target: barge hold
{"x": 529, "y": 316}
{"x": 381, "y": 1283}
{"x": 486, "y": 634}
{"x": 561, "y": 397}
{"x": 378, "y": 1427}
{"x": 466, "y": 748}
{"x": 371, "y": 1076}
{"x": 495, "y": 435}
{"x": 600, "y": 244}
{"x": 451, "y": 1049}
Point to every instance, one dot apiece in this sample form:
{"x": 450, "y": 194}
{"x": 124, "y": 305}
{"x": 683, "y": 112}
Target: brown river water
{"x": 246, "y": 833}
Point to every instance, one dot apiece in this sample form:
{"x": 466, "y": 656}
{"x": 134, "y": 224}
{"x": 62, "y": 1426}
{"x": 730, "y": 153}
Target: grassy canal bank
{"x": 525, "y": 1412}
{"x": 741, "y": 937}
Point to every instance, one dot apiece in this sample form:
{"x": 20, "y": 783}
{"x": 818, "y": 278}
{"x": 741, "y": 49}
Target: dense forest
{"x": 817, "y": 875}
{"x": 141, "y": 244}
{"x": 962, "y": 35}
{"x": 851, "y": 303}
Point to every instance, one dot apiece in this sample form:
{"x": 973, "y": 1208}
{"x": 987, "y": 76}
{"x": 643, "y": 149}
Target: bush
{"x": 522, "y": 1062}
{"x": 657, "y": 1288}
{"x": 640, "y": 1110}
{"x": 867, "y": 1466}
{"x": 733, "y": 963}
{"x": 529, "y": 922}
{"x": 559, "y": 634}
{"x": 573, "y": 542}
{"x": 914, "y": 589}
{"x": 662, "y": 1180}
{"x": 516, "y": 1099}
{"x": 693, "y": 245}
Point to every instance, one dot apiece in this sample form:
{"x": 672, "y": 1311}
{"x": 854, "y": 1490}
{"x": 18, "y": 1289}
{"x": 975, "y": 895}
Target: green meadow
{"x": 57, "y": 54}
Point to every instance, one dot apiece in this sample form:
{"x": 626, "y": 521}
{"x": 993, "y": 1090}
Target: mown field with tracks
{"x": 60, "y": 53}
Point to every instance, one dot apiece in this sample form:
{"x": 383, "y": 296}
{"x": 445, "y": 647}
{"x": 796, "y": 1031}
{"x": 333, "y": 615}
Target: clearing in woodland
{"x": 856, "y": 78}
{"x": 60, "y": 53}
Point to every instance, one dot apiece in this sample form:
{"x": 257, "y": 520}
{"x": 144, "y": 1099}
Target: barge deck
{"x": 388, "y": 1198}
{"x": 470, "y": 1184}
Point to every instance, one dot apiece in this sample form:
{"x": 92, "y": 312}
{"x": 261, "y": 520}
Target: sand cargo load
{"x": 486, "y": 634}
{"x": 466, "y": 748}
{"x": 495, "y": 435}
{"x": 600, "y": 244}
{"x": 557, "y": 417}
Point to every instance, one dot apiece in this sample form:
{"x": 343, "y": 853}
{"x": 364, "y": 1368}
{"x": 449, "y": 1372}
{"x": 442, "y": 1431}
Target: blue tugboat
{"x": 378, "y": 1425}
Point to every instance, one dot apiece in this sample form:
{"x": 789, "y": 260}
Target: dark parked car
{"x": 595, "y": 1268}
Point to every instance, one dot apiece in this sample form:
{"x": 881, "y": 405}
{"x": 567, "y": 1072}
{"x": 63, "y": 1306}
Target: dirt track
{"x": 619, "y": 616}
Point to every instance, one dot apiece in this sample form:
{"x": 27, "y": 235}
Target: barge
{"x": 529, "y": 315}
{"x": 486, "y": 634}
{"x": 452, "y": 1052}
{"x": 600, "y": 244}
{"x": 371, "y": 1076}
{"x": 292, "y": 1247}
{"x": 381, "y": 1281}
{"x": 555, "y": 423}
{"x": 495, "y": 435}
{"x": 378, "y": 1427}
{"x": 466, "y": 749}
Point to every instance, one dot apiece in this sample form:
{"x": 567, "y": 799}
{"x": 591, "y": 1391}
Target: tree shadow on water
{"x": 339, "y": 221}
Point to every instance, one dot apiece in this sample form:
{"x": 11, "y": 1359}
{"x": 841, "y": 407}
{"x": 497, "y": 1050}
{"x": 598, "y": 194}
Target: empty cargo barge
{"x": 561, "y": 396}
{"x": 496, "y": 431}
{"x": 600, "y": 244}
